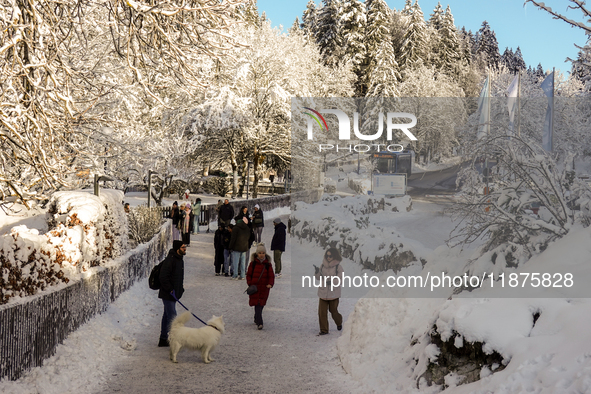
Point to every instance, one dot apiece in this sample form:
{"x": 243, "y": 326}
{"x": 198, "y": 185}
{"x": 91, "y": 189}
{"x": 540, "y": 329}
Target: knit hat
{"x": 176, "y": 245}
{"x": 277, "y": 220}
{"x": 261, "y": 248}
{"x": 256, "y": 206}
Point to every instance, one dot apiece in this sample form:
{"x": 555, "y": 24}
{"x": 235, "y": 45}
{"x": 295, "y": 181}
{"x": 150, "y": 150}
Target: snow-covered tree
{"x": 309, "y": 19}
{"x": 353, "y": 30}
{"x": 329, "y": 36}
{"x": 383, "y": 76}
{"x": 436, "y": 19}
{"x": 449, "y": 46}
{"x": 487, "y": 48}
{"x": 414, "y": 48}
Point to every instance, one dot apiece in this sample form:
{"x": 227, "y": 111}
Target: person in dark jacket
{"x": 175, "y": 215}
{"x": 218, "y": 244}
{"x": 239, "y": 247}
{"x": 172, "y": 275}
{"x": 226, "y": 213}
{"x": 258, "y": 223}
{"x": 244, "y": 214}
{"x": 260, "y": 273}
{"x": 226, "y": 237}
{"x": 278, "y": 245}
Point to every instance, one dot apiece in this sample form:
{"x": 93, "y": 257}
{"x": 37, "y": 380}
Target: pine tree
{"x": 540, "y": 71}
{"x": 377, "y": 31}
{"x": 518, "y": 62}
{"x": 581, "y": 67}
{"x": 436, "y": 20}
{"x": 383, "y": 78}
{"x": 309, "y": 19}
{"x": 507, "y": 58}
{"x": 465, "y": 45}
{"x": 414, "y": 50}
{"x": 408, "y": 8}
{"x": 487, "y": 47}
{"x": 449, "y": 49}
{"x": 353, "y": 30}
{"x": 328, "y": 32}
{"x": 295, "y": 28}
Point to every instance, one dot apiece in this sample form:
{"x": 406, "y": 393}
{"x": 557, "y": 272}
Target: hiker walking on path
{"x": 218, "y": 244}
{"x": 172, "y": 275}
{"x": 260, "y": 273}
{"x": 278, "y": 245}
{"x": 329, "y": 295}
{"x": 258, "y": 223}
{"x": 239, "y": 247}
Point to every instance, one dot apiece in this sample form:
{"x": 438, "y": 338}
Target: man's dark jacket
{"x": 172, "y": 275}
{"x": 278, "y": 241}
{"x": 226, "y": 212}
{"x": 240, "y": 237}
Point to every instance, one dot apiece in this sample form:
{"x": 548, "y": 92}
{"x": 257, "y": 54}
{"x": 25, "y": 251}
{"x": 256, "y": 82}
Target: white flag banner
{"x": 548, "y": 88}
{"x": 512, "y": 93}
{"x": 484, "y": 109}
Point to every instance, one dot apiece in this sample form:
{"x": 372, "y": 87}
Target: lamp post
{"x": 97, "y": 179}
{"x": 248, "y": 178}
{"x": 150, "y": 172}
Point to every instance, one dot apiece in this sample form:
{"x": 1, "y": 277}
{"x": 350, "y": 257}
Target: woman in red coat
{"x": 260, "y": 273}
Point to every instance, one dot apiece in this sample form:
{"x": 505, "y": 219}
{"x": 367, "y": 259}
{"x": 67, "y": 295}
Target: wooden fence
{"x": 30, "y": 331}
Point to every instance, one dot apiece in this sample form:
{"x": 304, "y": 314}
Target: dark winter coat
{"x": 226, "y": 212}
{"x": 226, "y": 237}
{"x": 175, "y": 214}
{"x": 278, "y": 241}
{"x": 254, "y": 271}
{"x": 258, "y": 219}
{"x": 218, "y": 239}
{"x": 240, "y": 237}
{"x": 172, "y": 276}
{"x": 241, "y": 215}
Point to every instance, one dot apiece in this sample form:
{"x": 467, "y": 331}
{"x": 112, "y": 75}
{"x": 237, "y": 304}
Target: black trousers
{"x": 258, "y": 314}
{"x": 186, "y": 238}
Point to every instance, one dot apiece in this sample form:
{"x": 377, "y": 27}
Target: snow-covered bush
{"x": 217, "y": 185}
{"x": 84, "y": 231}
{"x": 143, "y": 222}
{"x": 359, "y": 183}
{"x": 348, "y": 224}
{"x": 524, "y": 174}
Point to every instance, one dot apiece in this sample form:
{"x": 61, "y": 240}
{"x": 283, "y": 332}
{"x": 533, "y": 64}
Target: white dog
{"x": 204, "y": 339}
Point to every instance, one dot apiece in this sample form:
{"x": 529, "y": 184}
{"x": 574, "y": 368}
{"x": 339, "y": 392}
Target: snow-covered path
{"x": 117, "y": 351}
{"x": 286, "y": 356}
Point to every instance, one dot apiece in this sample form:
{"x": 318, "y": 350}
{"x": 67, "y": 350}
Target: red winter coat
{"x": 255, "y": 268}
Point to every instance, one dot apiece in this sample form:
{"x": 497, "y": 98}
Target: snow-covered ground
{"x": 384, "y": 347}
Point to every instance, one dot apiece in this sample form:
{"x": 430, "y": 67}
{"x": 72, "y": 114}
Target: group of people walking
{"x": 233, "y": 241}
{"x": 185, "y": 220}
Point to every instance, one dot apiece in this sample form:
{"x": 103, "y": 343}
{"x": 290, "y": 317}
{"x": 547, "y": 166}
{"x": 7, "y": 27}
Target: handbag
{"x": 250, "y": 290}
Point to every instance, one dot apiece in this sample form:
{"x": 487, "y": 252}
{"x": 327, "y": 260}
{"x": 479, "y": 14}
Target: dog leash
{"x": 174, "y": 296}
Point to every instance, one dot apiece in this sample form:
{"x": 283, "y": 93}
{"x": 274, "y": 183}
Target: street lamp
{"x": 97, "y": 179}
{"x": 248, "y": 177}
{"x": 150, "y": 172}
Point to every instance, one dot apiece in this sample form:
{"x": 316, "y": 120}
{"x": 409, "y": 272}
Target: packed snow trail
{"x": 286, "y": 356}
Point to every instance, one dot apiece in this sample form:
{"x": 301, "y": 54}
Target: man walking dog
{"x": 172, "y": 275}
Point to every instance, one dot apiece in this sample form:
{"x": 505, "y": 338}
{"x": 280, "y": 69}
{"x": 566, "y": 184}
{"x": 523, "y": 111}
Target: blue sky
{"x": 541, "y": 38}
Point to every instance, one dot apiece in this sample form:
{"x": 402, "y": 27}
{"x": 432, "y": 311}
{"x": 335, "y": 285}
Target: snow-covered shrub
{"x": 330, "y": 185}
{"x": 144, "y": 222}
{"x": 348, "y": 224}
{"x": 84, "y": 231}
{"x": 360, "y": 184}
{"x": 524, "y": 174}
{"x": 217, "y": 185}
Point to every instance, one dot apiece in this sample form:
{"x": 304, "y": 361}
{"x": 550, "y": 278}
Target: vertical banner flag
{"x": 548, "y": 88}
{"x": 484, "y": 110}
{"x": 512, "y": 92}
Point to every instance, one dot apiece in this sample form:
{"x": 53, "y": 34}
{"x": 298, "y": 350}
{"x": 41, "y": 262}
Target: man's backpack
{"x": 154, "y": 278}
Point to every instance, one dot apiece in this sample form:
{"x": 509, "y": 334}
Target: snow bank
{"x": 84, "y": 230}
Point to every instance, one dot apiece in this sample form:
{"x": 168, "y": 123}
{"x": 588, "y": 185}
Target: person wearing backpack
{"x": 172, "y": 275}
{"x": 328, "y": 295}
{"x": 260, "y": 273}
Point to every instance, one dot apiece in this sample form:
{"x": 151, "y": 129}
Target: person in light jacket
{"x": 328, "y": 295}
{"x": 196, "y": 215}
